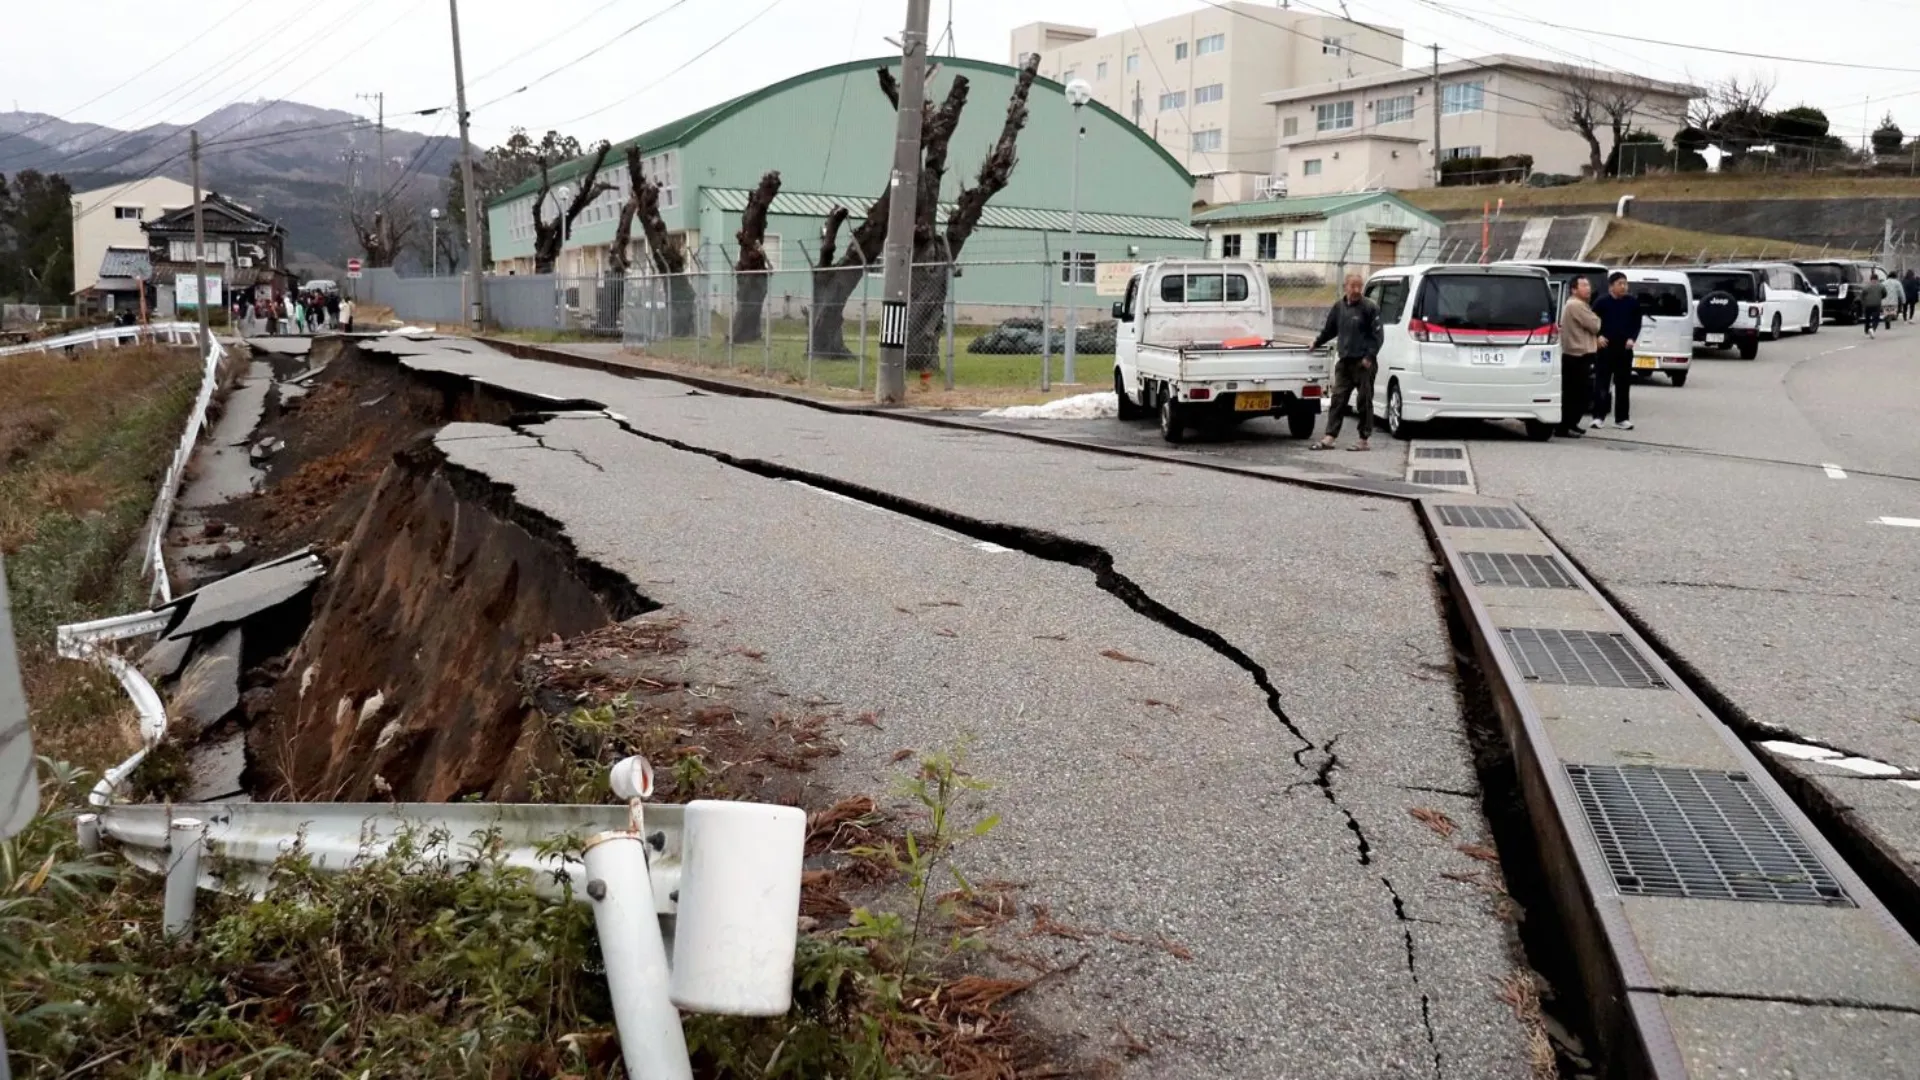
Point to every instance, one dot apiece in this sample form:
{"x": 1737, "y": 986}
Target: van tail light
{"x": 1311, "y": 390}
{"x": 1548, "y": 334}
{"x": 1199, "y": 393}
{"x": 1421, "y": 330}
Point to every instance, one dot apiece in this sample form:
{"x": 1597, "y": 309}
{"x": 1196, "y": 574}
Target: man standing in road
{"x": 1619, "y": 315}
{"x": 1871, "y": 300}
{"x": 1579, "y": 340}
{"x": 1353, "y": 325}
{"x": 1911, "y": 283}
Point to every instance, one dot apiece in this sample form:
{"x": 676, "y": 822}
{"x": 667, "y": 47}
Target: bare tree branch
{"x": 997, "y": 169}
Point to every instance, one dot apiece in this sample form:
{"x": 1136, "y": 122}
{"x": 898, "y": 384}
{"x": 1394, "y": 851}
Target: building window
{"x": 1077, "y": 264}
{"x": 1133, "y": 64}
{"x": 1289, "y": 127}
{"x": 1230, "y": 246}
{"x": 128, "y": 213}
{"x": 1267, "y": 246}
{"x": 1207, "y": 95}
{"x": 1454, "y": 153}
{"x": 1212, "y": 43}
{"x": 1334, "y": 116}
{"x": 1207, "y": 140}
{"x": 1393, "y": 110}
{"x": 1100, "y": 71}
{"x": 1333, "y": 46}
{"x": 1173, "y": 99}
{"x": 1310, "y": 167}
{"x": 1067, "y": 75}
{"x": 1179, "y": 50}
{"x": 182, "y": 251}
{"x": 1463, "y": 97}
{"x": 1303, "y": 245}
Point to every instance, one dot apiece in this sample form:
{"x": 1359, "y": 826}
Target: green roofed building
{"x": 830, "y": 134}
{"x": 1320, "y": 237}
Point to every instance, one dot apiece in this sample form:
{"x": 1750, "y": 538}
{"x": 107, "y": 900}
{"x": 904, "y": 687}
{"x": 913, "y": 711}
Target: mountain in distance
{"x": 295, "y": 163}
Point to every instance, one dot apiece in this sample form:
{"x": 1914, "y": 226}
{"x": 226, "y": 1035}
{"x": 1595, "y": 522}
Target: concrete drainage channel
{"x": 1714, "y": 930}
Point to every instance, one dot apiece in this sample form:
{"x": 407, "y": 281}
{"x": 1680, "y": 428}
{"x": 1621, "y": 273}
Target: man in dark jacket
{"x": 1911, "y": 283}
{"x": 1353, "y": 325}
{"x": 1619, "y": 315}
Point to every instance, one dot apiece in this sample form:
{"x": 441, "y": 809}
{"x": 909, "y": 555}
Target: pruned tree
{"x": 1887, "y": 138}
{"x": 667, "y": 252}
{"x": 752, "y": 270}
{"x": 550, "y": 236}
{"x": 1590, "y": 101}
{"x": 381, "y": 236}
{"x": 1734, "y": 115}
{"x": 837, "y": 274}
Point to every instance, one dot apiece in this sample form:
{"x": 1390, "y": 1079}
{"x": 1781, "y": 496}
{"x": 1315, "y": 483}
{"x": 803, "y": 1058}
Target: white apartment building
{"x": 110, "y": 217}
{"x": 1376, "y": 131}
{"x": 1197, "y": 81}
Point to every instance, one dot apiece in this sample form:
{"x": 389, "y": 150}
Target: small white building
{"x": 1318, "y": 239}
{"x": 1376, "y": 130}
{"x": 110, "y": 217}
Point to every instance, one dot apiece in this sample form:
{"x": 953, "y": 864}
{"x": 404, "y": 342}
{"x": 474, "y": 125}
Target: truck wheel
{"x": 1397, "y": 425}
{"x": 1173, "y": 425}
{"x": 1300, "y": 422}
{"x": 1679, "y": 377}
{"x": 1749, "y": 349}
{"x": 1128, "y": 410}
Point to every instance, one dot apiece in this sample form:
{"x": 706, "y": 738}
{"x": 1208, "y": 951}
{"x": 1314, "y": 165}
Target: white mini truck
{"x": 1194, "y": 345}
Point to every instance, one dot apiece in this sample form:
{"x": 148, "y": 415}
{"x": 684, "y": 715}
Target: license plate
{"x": 1646, "y": 362}
{"x": 1488, "y": 356}
{"x": 1715, "y": 339}
{"x": 1244, "y": 402}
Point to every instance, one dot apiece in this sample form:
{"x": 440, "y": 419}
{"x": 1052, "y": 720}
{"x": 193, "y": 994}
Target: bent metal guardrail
{"x": 102, "y": 337}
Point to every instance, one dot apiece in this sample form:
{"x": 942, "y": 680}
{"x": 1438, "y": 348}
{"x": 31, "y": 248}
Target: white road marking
{"x": 1914, "y": 784}
{"x": 1801, "y": 750}
{"x": 1905, "y": 523}
{"x": 1835, "y": 472}
{"x": 944, "y": 534}
{"x": 1865, "y": 766}
{"x": 1830, "y": 352}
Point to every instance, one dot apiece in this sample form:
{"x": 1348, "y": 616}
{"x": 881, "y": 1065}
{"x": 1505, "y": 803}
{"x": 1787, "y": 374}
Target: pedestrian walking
{"x": 1579, "y": 341}
{"x": 299, "y": 314}
{"x": 1897, "y": 293}
{"x": 272, "y": 306}
{"x": 333, "y": 309}
{"x": 1872, "y": 298}
{"x": 346, "y": 315}
{"x": 1910, "y": 284}
{"x": 1353, "y": 323}
{"x": 1619, "y": 313}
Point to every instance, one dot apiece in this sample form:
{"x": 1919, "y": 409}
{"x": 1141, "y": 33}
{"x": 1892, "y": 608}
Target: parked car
{"x": 1467, "y": 342}
{"x": 1193, "y": 344}
{"x": 322, "y": 285}
{"x": 1726, "y": 309}
{"x": 1666, "y": 322}
{"x": 1841, "y": 283}
{"x": 1791, "y": 302}
{"x": 1561, "y": 274}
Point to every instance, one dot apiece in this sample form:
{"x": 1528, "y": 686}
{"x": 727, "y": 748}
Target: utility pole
{"x": 379, "y": 98}
{"x": 199, "y": 242}
{"x": 475, "y": 312}
{"x": 890, "y": 388}
{"x": 1436, "y": 115}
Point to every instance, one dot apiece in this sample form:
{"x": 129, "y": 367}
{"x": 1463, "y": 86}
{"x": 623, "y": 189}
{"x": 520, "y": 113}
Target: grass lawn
{"x": 84, "y": 443}
{"x": 1667, "y": 188}
{"x": 1645, "y": 243}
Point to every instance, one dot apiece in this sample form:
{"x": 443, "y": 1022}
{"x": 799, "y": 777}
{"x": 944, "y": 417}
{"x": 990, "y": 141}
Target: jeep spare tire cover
{"x": 1718, "y": 311}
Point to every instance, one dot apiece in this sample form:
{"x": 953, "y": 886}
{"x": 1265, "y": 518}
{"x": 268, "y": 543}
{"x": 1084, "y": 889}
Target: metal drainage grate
{"x": 1698, "y": 834}
{"x": 1440, "y": 453}
{"x": 1517, "y": 571}
{"x": 1578, "y": 658}
{"x": 1456, "y": 516}
{"x": 1441, "y": 477}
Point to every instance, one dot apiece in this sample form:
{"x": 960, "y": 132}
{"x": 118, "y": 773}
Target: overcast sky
{"x": 697, "y": 52}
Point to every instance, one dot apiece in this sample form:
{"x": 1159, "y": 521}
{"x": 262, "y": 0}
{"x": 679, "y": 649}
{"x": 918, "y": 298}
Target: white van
{"x": 1666, "y": 322}
{"x": 1791, "y": 303}
{"x": 1467, "y": 342}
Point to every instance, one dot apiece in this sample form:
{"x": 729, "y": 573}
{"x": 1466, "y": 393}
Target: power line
{"x": 695, "y": 58}
{"x": 525, "y": 53}
{"x": 573, "y": 63}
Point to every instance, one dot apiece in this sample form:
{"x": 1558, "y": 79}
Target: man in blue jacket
{"x": 1619, "y": 315}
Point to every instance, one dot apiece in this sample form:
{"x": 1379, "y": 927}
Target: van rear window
{"x": 1827, "y": 273}
{"x": 1735, "y": 283}
{"x": 1203, "y": 288}
{"x": 1486, "y": 302}
{"x": 1666, "y": 298}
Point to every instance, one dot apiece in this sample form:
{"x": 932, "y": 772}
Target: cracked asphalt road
{"x": 1245, "y": 794}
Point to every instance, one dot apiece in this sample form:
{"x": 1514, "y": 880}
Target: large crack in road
{"x": 1098, "y": 561}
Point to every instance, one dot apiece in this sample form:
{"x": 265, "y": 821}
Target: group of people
{"x": 1905, "y": 290}
{"x": 1596, "y": 355}
{"x": 306, "y": 312}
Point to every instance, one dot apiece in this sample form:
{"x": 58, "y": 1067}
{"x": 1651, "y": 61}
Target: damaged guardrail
{"x": 153, "y": 559}
{"x": 697, "y": 907}
{"x": 100, "y": 337}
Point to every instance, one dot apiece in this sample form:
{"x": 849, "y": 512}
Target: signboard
{"x": 353, "y": 268}
{"x": 1110, "y": 279}
{"x": 186, "y": 290}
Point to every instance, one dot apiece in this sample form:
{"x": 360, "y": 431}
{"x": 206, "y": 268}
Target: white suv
{"x": 1791, "y": 304}
{"x": 1666, "y": 322}
{"x": 1467, "y": 342}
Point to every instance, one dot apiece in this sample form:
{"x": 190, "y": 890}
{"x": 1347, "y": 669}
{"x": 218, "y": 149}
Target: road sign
{"x": 353, "y": 268}
{"x": 1111, "y": 278}
{"x": 186, "y": 290}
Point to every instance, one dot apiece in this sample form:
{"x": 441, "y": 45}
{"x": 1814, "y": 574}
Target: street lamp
{"x": 561, "y": 195}
{"x": 1079, "y": 92}
{"x": 433, "y": 243}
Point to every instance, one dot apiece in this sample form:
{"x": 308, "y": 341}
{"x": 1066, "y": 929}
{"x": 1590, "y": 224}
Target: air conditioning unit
{"x": 1270, "y": 187}
{"x": 244, "y": 262}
